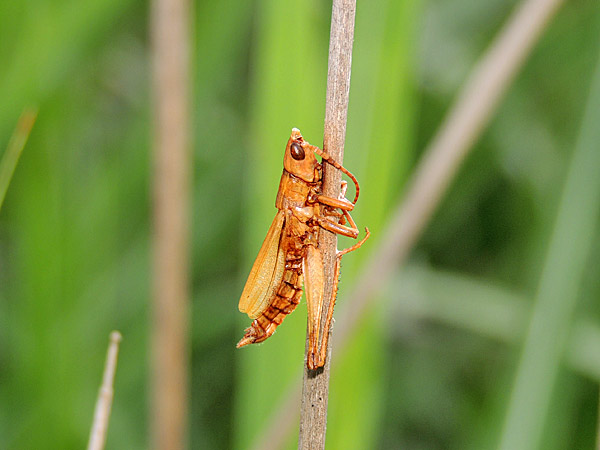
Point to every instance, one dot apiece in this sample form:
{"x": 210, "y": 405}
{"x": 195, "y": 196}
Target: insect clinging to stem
{"x": 290, "y": 253}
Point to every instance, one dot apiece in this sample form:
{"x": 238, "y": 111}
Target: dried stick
{"x": 170, "y": 30}
{"x": 462, "y": 126}
{"x": 315, "y": 391}
{"x": 105, "y": 395}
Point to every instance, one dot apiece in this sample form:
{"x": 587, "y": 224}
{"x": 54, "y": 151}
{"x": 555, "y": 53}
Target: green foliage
{"x": 433, "y": 365}
{"x": 11, "y": 156}
{"x": 558, "y": 290}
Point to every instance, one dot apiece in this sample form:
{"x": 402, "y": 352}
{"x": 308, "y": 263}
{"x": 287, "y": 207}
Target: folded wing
{"x": 266, "y": 273}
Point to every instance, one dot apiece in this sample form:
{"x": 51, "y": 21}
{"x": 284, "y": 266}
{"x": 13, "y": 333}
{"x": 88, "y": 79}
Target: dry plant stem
{"x": 169, "y": 385}
{"x": 315, "y": 391}
{"x": 462, "y": 126}
{"x": 105, "y": 395}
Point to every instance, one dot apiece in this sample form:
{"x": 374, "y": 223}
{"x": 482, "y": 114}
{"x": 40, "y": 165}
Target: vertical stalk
{"x": 105, "y": 395}
{"x": 315, "y": 392}
{"x": 170, "y": 42}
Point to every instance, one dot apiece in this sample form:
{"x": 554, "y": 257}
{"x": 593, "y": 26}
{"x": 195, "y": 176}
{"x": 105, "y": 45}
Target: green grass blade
{"x": 289, "y": 86}
{"x": 558, "y": 287}
{"x": 45, "y": 49}
{"x": 13, "y": 152}
{"x": 484, "y": 309}
{"x": 289, "y": 69}
{"x": 380, "y": 150}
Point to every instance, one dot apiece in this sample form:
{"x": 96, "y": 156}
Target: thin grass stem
{"x": 105, "y": 395}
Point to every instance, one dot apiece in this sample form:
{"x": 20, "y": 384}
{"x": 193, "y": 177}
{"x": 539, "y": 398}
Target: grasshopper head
{"x": 299, "y": 159}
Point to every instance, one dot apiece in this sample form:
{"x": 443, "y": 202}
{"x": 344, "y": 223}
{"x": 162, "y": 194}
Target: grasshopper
{"x": 290, "y": 253}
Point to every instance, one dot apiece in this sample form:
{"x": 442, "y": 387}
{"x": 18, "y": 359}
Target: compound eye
{"x": 297, "y": 151}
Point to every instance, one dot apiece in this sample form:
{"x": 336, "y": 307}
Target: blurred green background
{"x": 434, "y": 364}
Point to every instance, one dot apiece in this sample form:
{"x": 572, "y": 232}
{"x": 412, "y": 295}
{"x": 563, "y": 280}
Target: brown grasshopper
{"x": 291, "y": 249}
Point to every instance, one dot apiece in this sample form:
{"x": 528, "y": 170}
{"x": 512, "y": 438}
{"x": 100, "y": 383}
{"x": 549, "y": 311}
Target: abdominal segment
{"x": 284, "y": 302}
